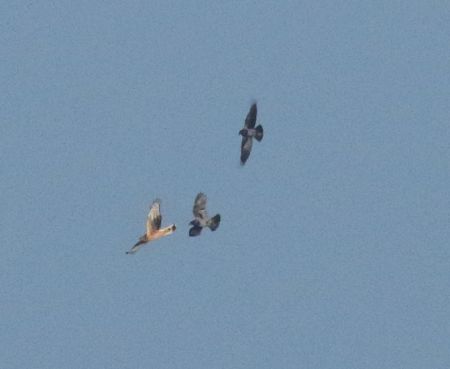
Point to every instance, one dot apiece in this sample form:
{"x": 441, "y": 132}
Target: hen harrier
{"x": 201, "y": 217}
{"x": 248, "y": 132}
{"x": 154, "y": 230}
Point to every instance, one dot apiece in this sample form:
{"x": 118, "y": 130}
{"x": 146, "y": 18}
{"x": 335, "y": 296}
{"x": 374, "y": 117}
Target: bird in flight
{"x": 248, "y": 132}
{"x": 201, "y": 217}
{"x": 154, "y": 230}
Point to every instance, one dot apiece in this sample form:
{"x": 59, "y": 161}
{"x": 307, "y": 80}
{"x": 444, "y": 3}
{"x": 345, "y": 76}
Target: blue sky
{"x": 333, "y": 251}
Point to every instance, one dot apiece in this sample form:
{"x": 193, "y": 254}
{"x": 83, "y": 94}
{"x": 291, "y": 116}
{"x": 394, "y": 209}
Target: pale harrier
{"x": 154, "y": 230}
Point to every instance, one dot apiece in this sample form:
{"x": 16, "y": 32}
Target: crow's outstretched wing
{"x": 246, "y": 148}
{"x": 199, "y": 209}
{"x": 250, "y": 120}
{"x": 195, "y": 231}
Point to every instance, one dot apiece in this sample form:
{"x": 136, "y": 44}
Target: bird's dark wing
{"x": 199, "y": 209}
{"x": 250, "y": 120}
{"x": 195, "y": 231}
{"x": 214, "y": 222}
{"x": 246, "y": 148}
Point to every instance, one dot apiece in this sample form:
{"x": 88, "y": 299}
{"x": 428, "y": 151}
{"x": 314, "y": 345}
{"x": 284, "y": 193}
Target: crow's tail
{"x": 259, "y": 132}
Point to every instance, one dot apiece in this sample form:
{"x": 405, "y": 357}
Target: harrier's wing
{"x": 250, "y": 120}
{"x": 154, "y": 217}
{"x": 136, "y": 247}
{"x": 199, "y": 209}
{"x": 246, "y": 148}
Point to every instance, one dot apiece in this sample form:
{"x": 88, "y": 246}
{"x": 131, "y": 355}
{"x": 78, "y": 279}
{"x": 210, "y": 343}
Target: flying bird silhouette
{"x": 201, "y": 217}
{"x": 154, "y": 230}
{"x": 248, "y": 132}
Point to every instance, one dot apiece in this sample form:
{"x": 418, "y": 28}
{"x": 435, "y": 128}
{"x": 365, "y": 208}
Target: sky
{"x": 333, "y": 250}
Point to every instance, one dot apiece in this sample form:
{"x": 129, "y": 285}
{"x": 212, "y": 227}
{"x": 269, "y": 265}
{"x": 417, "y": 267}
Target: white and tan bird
{"x": 154, "y": 230}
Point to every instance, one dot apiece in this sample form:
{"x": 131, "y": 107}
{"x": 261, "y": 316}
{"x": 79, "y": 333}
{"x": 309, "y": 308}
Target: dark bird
{"x": 248, "y": 132}
{"x": 154, "y": 230}
{"x": 201, "y": 217}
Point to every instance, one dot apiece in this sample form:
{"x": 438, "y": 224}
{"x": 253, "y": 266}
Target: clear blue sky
{"x": 333, "y": 251}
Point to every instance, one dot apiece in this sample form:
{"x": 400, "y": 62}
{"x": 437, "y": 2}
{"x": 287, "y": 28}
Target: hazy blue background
{"x": 333, "y": 251}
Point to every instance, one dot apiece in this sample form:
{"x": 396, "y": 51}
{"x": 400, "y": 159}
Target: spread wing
{"x": 199, "y": 209}
{"x": 154, "y": 217}
{"x": 246, "y": 148}
{"x": 250, "y": 120}
{"x": 195, "y": 231}
{"x": 136, "y": 247}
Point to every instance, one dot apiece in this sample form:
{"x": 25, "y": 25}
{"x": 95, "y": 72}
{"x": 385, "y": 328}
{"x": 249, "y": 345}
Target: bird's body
{"x": 249, "y": 132}
{"x": 154, "y": 230}
{"x": 201, "y": 216}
